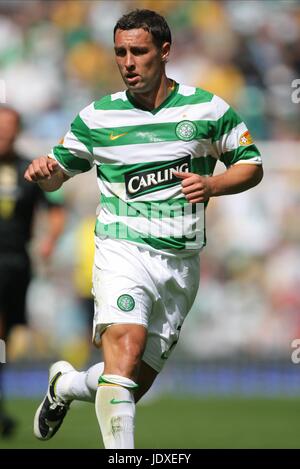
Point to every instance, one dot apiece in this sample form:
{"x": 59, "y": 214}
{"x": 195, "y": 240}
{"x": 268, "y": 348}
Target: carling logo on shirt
{"x": 156, "y": 177}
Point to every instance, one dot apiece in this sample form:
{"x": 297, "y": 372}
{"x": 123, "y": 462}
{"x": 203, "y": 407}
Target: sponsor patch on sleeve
{"x": 246, "y": 139}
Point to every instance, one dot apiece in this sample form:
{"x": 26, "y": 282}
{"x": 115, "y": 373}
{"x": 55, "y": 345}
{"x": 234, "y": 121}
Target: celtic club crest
{"x": 186, "y": 130}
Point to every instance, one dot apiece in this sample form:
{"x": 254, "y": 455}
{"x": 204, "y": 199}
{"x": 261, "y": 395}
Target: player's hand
{"x": 195, "y": 188}
{"x": 40, "y": 169}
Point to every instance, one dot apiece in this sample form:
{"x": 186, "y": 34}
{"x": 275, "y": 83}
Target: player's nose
{"x": 129, "y": 62}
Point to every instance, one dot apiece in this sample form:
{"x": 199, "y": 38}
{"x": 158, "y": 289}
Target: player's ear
{"x": 165, "y": 51}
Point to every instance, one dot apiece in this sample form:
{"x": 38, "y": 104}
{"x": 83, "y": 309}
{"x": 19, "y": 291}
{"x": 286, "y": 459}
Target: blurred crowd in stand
{"x": 57, "y": 56}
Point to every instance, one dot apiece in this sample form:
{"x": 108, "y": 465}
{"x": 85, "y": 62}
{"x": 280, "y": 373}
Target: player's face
{"x": 140, "y": 61}
{"x": 9, "y": 127}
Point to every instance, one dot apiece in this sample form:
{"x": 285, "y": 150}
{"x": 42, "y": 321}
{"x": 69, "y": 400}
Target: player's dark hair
{"x": 149, "y": 21}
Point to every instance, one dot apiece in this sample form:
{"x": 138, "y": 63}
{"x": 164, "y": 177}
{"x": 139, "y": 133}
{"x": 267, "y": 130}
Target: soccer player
{"x": 155, "y": 147}
{"x": 18, "y": 201}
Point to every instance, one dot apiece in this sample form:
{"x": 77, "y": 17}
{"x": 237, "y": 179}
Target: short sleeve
{"x": 231, "y": 139}
{"x": 74, "y": 153}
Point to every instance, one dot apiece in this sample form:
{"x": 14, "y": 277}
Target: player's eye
{"x": 139, "y": 50}
{"x": 120, "y": 52}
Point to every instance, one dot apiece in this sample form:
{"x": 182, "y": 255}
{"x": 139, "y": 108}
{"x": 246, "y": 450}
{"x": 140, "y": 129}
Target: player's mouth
{"x": 132, "y": 78}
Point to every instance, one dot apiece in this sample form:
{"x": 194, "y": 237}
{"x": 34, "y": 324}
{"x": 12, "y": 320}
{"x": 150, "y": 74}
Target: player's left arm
{"x": 237, "y": 178}
{"x": 232, "y": 144}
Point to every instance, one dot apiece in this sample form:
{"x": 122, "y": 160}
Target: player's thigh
{"x": 177, "y": 294}
{"x": 121, "y": 286}
{"x": 123, "y": 303}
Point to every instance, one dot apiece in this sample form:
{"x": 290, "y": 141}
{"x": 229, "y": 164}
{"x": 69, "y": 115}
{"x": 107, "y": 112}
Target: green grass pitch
{"x": 169, "y": 422}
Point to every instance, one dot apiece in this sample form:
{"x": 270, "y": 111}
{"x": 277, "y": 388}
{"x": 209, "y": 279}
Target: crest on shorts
{"x": 246, "y": 139}
{"x": 186, "y": 130}
{"x": 126, "y": 302}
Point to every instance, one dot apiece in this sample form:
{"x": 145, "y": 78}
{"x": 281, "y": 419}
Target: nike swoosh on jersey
{"x": 116, "y": 401}
{"x": 115, "y": 137}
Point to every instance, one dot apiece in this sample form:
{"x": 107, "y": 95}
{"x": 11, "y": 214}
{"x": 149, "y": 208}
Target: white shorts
{"x": 133, "y": 285}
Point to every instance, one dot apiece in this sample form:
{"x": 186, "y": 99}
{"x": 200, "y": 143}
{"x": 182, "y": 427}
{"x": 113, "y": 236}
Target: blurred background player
{"x": 18, "y": 201}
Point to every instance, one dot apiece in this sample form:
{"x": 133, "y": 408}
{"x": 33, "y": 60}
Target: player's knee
{"x": 123, "y": 347}
{"x": 133, "y": 351}
{"x": 129, "y": 361}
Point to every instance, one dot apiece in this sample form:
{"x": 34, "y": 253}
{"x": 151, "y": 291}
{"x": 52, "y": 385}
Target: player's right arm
{"x": 47, "y": 173}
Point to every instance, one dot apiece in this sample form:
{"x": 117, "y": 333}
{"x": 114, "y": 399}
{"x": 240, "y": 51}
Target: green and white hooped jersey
{"x": 136, "y": 152}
